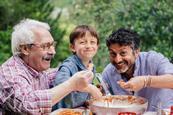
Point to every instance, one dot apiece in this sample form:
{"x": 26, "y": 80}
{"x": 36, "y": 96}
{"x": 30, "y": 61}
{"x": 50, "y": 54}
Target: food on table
{"x": 69, "y": 112}
{"x": 73, "y": 112}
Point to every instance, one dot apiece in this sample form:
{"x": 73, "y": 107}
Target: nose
{"x": 52, "y": 50}
{"x": 118, "y": 58}
{"x": 88, "y": 44}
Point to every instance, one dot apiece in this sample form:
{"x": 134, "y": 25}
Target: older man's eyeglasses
{"x": 45, "y": 46}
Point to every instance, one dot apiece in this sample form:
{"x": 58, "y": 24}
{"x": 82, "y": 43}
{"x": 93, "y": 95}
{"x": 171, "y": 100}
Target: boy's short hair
{"x": 80, "y": 32}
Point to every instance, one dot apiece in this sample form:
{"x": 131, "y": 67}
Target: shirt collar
{"x": 78, "y": 61}
{"x": 136, "y": 69}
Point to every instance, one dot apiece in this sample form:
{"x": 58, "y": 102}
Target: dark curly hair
{"x": 124, "y": 37}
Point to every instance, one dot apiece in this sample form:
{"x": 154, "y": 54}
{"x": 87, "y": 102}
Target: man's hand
{"x": 80, "y": 80}
{"x": 93, "y": 90}
{"x": 134, "y": 84}
{"x": 100, "y": 87}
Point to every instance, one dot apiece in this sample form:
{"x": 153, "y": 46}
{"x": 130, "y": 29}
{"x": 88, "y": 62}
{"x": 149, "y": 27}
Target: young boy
{"x": 84, "y": 42}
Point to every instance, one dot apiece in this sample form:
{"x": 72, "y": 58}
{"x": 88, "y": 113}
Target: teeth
{"x": 121, "y": 63}
{"x": 47, "y": 58}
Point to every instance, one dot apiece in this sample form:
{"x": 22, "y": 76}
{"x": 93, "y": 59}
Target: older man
{"x": 25, "y": 78}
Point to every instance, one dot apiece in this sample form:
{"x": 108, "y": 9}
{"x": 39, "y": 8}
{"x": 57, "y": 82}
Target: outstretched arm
{"x": 139, "y": 82}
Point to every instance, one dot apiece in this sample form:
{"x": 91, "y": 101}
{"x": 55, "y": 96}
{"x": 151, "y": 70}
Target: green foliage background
{"x": 12, "y": 11}
{"x": 152, "y": 19}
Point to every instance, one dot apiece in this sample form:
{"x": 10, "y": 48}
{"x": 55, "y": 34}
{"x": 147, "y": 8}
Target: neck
{"x": 85, "y": 62}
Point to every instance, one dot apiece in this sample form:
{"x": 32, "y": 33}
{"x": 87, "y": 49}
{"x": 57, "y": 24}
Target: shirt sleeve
{"x": 35, "y": 101}
{"x": 159, "y": 64}
{"x": 24, "y": 99}
{"x": 6, "y": 90}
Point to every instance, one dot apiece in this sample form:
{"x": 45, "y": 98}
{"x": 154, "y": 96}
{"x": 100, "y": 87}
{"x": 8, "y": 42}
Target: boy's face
{"x": 85, "y": 47}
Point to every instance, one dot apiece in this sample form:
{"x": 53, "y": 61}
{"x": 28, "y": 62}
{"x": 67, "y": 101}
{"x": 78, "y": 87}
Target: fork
{"x": 105, "y": 88}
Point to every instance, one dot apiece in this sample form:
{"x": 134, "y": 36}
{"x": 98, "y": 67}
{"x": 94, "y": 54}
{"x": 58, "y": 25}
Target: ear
{"x": 25, "y": 50}
{"x": 72, "y": 48}
{"x": 137, "y": 52}
{"x": 98, "y": 45}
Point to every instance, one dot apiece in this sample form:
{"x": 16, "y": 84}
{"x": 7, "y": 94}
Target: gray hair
{"x": 23, "y": 33}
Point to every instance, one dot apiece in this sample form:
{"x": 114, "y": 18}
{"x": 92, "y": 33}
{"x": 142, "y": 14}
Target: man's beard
{"x": 124, "y": 67}
{"x": 123, "y": 70}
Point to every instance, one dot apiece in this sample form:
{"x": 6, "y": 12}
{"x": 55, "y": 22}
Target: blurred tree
{"x": 12, "y": 11}
{"x": 152, "y": 19}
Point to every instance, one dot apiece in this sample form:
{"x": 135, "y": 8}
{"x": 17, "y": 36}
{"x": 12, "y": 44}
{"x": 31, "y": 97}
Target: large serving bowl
{"x": 118, "y": 104}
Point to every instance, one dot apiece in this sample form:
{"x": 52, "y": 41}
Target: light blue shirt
{"x": 148, "y": 63}
{"x": 68, "y": 68}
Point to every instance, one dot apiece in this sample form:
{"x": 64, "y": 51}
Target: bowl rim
{"x": 137, "y": 106}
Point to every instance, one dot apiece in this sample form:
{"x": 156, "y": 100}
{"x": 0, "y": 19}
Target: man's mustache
{"x": 49, "y": 56}
{"x": 119, "y": 63}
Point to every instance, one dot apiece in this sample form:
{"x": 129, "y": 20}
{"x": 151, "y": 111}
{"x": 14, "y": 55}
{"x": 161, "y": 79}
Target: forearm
{"x": 139, "y": 82}
{"x": 93, "y": 91}
{"x": 60, "y": 91}
{"x": 162, "y": 81}
{"x": 77, "y": 82}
